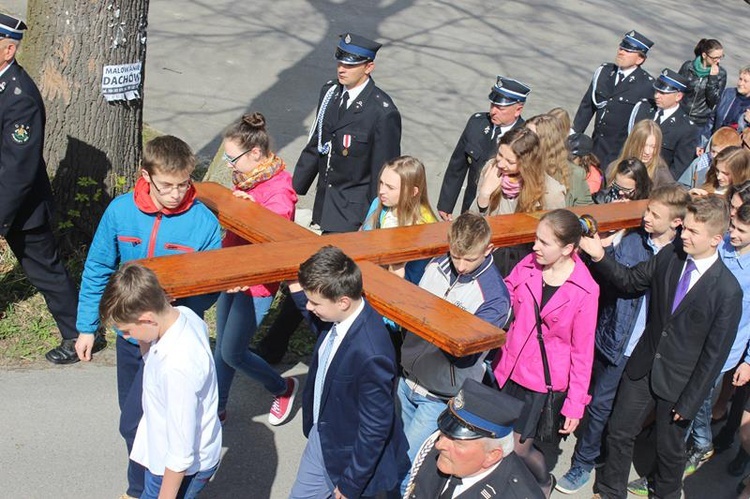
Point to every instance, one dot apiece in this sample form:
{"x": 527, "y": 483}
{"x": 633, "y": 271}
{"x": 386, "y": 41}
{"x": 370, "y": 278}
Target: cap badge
{"x": 348, "y": 38}
{"x": 21, "y": 134}
{"x": 632, "y": 33}
{"x": 664, "y": 73}
{"x": 458, "y": 400}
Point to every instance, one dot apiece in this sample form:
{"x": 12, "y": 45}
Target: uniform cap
{"x": 10, "y": 27}
{"x": 508, "y": 91}
{"x": 354, "y": 49}
{"x": 670, "y": 82}
{"x": 635, "y": 42}
{"x": 478, "y": 411}
{"x": 580, "y": 144}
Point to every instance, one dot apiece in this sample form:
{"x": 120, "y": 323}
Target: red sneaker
{"x": 282, "y": 404}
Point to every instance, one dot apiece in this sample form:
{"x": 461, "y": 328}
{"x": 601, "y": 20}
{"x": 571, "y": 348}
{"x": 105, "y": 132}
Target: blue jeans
{"x": 606, "y": 378}
{"x": 419, "y": 415}
{"x": 700, "y": 428}
{"x": 237, "y": 318}
{"x": 191, "y": 484}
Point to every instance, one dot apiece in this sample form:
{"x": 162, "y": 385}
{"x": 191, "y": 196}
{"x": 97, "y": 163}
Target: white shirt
{"x": 180, "y": 428}
{"x": 666, "y": 113}
{"x": 469, "y": 481}
{"x": 701, "y": 266}
{"x": 353, "y": 94}
{"x": 626, "y": 72}
{"x": 341, "y": 329}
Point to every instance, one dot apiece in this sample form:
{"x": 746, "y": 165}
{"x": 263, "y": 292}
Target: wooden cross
{"x": 280, "y": 246}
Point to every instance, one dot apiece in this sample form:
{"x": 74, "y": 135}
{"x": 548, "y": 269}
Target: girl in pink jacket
{"x": 567, "y": 296}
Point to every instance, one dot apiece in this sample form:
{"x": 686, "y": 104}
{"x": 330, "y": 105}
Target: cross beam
{"x": 281, "y": 245}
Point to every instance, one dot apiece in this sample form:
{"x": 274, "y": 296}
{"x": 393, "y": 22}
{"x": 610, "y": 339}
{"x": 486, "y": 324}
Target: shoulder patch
{"x": 20, "y": 134}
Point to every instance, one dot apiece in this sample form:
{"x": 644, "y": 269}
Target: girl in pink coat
{"x": 567, "y": 297}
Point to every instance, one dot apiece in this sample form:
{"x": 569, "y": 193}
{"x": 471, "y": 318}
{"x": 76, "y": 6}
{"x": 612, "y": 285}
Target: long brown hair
{"x": 636, "y": 142}
{"x": 553, "y": 150}
{"x": 737, "y": 161}
{"x": 525, "y": 146}
{"x": 410, "y": 207}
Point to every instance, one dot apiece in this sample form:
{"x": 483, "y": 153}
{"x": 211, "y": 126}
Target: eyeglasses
{"x": 166, "y": 189}
{"x": 233, "y": 161}
{"x": 623, "y": 192}
{"x": 715, "y": 58}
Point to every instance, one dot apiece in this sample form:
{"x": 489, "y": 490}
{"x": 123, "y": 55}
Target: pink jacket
{"x": 568, "y": 325}
{"x": 277, "y": 195}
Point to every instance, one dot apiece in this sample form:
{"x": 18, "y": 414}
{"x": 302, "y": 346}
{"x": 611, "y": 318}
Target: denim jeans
{"x": 419, "y": 415}
{"x": 129, "y": 394}
{"x": 237, "y": 318}
{"x": 700, "y": 428}
{"x": 191, "y": 485}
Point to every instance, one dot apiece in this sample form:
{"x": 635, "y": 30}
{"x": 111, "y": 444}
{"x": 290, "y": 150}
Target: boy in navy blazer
{"x": 356, "y": 445}
{"x": 694, "y": 310}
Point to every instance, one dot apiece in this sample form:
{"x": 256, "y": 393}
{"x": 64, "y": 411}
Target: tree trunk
{"x": 93, "y": 147}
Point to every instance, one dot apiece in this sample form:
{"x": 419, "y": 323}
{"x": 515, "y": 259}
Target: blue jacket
{"x": 618, "y": 311}
{"x": 127, "y": 232}
{"x": 716, "y": 118}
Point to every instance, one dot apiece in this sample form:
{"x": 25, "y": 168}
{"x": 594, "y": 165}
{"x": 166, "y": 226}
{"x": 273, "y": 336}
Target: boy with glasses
{"x": 160, "y": 217}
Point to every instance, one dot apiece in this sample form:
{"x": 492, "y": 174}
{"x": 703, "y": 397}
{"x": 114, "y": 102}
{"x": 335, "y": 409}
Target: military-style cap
{"x": 354, "y": 49}
{"x": 670, "y": 82}
{"x": 10, "y": 27}
{"x": 479, "y": 411}
{"x": 508, "y": 91}
{"x": 580, "y": 144}
{"x": 635, "y": 42}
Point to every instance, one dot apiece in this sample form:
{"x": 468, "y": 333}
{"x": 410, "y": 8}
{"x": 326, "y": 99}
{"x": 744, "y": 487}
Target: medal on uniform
{"x": 347, "y": 141}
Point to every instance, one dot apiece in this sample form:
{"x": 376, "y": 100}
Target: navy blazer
{"x": 363, "y": 441}
{"x": 684, "y": 351}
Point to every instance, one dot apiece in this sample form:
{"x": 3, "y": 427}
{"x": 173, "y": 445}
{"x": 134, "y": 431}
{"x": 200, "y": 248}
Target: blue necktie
{"x": 683, "y": 285}
{"x": 320, "y": 375}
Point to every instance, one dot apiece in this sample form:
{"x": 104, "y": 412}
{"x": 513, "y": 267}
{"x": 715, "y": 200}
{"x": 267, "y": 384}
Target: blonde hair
{"x": 636, "y": 142}
{"x": 553, "y": 150}
{"x": 411, "y": 207}
{"x": 562, "y": 115}
{"x": 525, "y": 146}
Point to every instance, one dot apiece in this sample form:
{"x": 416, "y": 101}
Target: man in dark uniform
{"x": 679, "y": 133}
{"x": 357, "y": 130}
{"x": 614, "y": 90}
{"x": 471, "y": 456}
{"x": 478, "y": 143}
{"x": 26, "y": 194}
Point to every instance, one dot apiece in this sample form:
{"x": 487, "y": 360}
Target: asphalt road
{"x": 209, "y": 62}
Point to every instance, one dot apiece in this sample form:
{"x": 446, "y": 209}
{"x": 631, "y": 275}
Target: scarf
{"x": 511, "y": 186}
{"x": 262, "y": 172}
{"x": 699, "y": 69}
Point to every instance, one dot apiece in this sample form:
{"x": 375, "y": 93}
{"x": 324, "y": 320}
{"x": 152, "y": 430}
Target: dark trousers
{"x": 274, "y": 344}
{"x": 634, "y": 401}
{"x": 39, "y": 256}
{"x": 129, "y": 392}
{"x": 606, "y": 377}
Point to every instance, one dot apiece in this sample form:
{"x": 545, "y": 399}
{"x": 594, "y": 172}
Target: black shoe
{"x": 723, "y": 440}
{"x": 100, "y": 343}
{"x": 737, "y": 466}
{"x": 65, "y": 353}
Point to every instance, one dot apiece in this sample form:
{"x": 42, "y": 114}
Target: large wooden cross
{"x": 280, "y": 246}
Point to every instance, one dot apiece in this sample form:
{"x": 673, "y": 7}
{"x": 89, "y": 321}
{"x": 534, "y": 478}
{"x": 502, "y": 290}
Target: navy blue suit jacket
{"x": 362, "y": 437}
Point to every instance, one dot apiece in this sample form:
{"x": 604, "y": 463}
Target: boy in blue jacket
{"x": 160, "y": 217}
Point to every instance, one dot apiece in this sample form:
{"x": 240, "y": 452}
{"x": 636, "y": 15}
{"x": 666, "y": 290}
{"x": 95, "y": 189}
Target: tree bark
{"x": 93, "y": 148}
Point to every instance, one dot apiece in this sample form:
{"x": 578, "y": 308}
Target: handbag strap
{"x": 545, "y": 363}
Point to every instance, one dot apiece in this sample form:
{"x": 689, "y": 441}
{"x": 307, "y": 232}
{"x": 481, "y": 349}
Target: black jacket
{"x": 684, "y": 351}
{"x": 474, "y": 148}
{"x": 703, "y": 93}
{"x": 25, "y": 192}
{"x": 367, "y": 135}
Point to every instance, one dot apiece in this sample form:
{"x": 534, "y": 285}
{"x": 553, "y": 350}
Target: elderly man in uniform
{"x": 680, "y": 134}
{"x": 26, "y": 194}
{"x": 357, "y": 129}
{"x": 471, "y": 456}
{"x": 478, "y": 143}
{"x": 614, "y": 90}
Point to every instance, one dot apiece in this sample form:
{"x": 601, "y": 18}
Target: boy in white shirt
{"x": 179, "y": 436}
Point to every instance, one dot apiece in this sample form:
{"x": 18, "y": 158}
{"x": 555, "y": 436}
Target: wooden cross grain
{"x": 280, "y": 246}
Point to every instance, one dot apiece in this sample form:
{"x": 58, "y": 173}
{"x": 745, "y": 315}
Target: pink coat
{"x": 568, "y": 327}
{"x": 277, "y": 195}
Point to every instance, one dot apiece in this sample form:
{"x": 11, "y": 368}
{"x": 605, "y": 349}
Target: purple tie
{"x": 683, "y": 285}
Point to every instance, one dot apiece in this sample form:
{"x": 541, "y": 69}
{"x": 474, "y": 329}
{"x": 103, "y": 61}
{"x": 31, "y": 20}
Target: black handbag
{"x": 551, "y": 419}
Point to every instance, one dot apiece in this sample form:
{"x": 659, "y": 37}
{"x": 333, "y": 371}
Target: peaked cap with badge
{"x": 348, "y": 144}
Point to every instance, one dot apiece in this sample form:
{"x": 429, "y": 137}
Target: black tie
{"x": 620, "y": 77}
{"x": 453, "y": 481}
{"x": 344, "y": 101}
{"x": 658, "y": 116}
